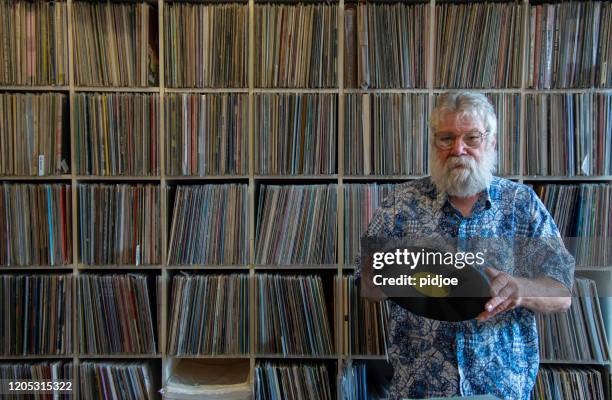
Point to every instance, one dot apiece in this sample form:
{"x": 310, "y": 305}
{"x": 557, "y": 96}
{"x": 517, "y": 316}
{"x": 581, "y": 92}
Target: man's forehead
{"x": 460, "y": 121}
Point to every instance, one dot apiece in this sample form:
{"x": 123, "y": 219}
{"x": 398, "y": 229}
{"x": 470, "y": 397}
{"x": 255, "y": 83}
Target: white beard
{"x": 462, "y": 182}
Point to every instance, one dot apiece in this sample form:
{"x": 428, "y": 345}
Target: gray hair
{"x": 468, "y": 104}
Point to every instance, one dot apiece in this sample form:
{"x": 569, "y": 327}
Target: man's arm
{"x": 543, "y": 295}
{"x": 546, "y": 262}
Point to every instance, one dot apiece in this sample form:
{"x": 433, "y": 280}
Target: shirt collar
{"x": 441, "y": 198}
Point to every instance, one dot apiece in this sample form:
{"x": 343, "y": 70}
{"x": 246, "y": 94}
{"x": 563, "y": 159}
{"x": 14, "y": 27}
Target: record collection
{"x": 210, "y": 225}
{"x": 34, "y": 42}
{"x": 40, "y": 371}
{"x": 292, "y": 381}
{"x": 292, "y": 316}
{"x": 366, "y": 380}
{"x": 568, "y": 134}
{"x": 206, "y": 45}
{"x": 360, "y": 202}
{"x": 296, "y": 224}
{"x": 119, "y": 224}
{"x": 36, "y": 228}
{"x": 478, "y": 45}
{"x": 116, "y": 133}
{"x": 385, "y": 134}
{"x": 209, "y": 314}
{"x": 578, "y": 334}
{"x": 116, "y": 45}
{"x": 116, "y": 380}
{"x": 206, "y": 134}
{"x": 581, "y": 213}
{"x": 354, "y": 381}
{"x": 34, "y": 136}
{"x": 115, "y": 315}
{"x": 385, "y": 45}
{"x": 561, "y": 201}
{"x": 507, "y": 109}
{"x": 295, "y": 45}
{"x": 569, "y": 45}
{"x": 36, "y": 318}
{"x": 295, "y": 133}
{"x": 568, "y": 383}
{"x": 365, "y": 322}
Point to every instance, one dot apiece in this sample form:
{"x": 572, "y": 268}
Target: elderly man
{"x": 497, "y": 353}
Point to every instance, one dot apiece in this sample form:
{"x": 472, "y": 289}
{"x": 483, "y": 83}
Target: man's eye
{"x": 473, "y": 138}
{"x": 447, "y": 139}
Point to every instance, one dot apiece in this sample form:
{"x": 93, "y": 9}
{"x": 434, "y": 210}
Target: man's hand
{"x": 505, "y": 293}
{"x": 543, "y": 295}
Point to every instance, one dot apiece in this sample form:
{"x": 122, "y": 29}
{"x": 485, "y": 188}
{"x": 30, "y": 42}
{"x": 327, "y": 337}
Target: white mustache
{"x": 471, "y": 179}
{"x": 460, "y": 161}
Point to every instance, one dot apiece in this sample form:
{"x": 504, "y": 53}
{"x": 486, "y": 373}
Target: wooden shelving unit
{"x": 253, "y": 180}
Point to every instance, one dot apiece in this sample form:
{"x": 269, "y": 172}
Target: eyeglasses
{"x": 446, "y": 140}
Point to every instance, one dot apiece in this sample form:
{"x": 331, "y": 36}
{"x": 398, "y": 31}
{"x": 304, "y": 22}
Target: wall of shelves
{"x": 254, "y": 181}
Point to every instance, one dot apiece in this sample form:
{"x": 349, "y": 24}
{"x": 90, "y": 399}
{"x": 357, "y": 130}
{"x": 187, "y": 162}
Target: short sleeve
{"x": 544, "y": 251}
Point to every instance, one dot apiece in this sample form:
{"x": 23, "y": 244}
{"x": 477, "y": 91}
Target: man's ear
{"x": 494, "y": 143}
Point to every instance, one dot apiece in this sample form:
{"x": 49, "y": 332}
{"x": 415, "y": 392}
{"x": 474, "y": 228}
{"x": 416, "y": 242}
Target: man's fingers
{"x": 505, "y": 305}
{"x": 492, "y": 273}
{"x": 504, "y": 292}
{"x": 507, "y": 291}
{"x": 498, "y": 308}
{"x": 498, "y": 284}
{"x": 493, "y": 303}
{"x": 483, "y": 316}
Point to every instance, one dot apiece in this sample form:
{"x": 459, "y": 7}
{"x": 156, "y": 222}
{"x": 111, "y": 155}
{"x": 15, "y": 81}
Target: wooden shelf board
{"x": 86, "y": 267}
{"x": 208, "y": 267}
{"x": 296, "y": 356}
{"x": 127, "y": 89}
{"x": 27, "y": 178}
{"x": 120, "y": 355}
{"x": 296, "y": 267}
{"x": 63, "y": 268}
{"x": 35, "y": 88}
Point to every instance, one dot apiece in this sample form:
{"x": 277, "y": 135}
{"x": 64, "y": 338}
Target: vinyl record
{"x": 448, "y": 303}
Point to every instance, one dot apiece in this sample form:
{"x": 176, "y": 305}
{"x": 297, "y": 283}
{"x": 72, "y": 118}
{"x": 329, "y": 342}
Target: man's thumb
{"x": 492, "y": 273}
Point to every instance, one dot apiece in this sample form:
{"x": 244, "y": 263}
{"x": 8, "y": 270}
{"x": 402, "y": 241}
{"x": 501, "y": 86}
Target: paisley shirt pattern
{"x": 499, "y": 356}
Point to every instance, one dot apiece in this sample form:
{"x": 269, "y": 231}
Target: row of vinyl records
{"x": 190, "y": 379}
{"x": 296, "y": 45}
{"x": 209, "y": 315}
{"x": 581, "y": 213}
{"x": 580, "y": 333}
{"x": 117, "y": 134}
{"x": 195, "y": 379}
{"x": 125, "y": 380}
{"x": 209, "y": 224}
{"x": 552, "y": 383}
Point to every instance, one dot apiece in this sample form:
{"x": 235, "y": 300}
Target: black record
{"x": 454, "y": 303}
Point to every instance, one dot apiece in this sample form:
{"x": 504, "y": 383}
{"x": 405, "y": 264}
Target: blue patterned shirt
{"x": 499, "y": 356}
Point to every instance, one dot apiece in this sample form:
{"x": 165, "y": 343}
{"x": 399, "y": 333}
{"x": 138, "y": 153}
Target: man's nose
{"x": 458, "y": 148}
